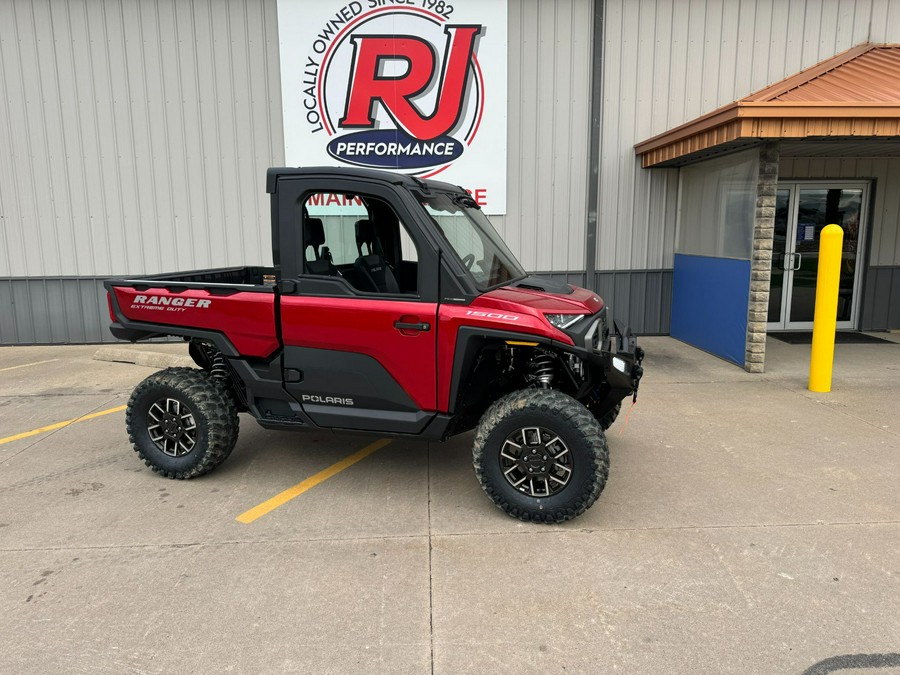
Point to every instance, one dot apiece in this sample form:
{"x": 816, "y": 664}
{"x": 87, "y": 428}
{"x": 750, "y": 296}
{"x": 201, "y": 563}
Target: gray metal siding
{"x": 136, "y": 136}
{"x": 640, "y": 299}
{"x": 667, "y": 62}
{"x": 881, "y": 299}
{"x": 548, "y": 130}
{"x": 574, "y": 278}
{"x": 61, "y": 310}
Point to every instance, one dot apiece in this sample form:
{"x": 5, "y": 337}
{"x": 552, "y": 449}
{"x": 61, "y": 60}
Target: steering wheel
{"x": 468, "y": 259}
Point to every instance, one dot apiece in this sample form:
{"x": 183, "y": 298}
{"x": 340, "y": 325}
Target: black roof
{"x": 370, "y": 174}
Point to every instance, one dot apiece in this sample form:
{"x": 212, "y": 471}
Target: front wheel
{"x": 540, "y": 456}
{"x": 181, "y": 422}
{"x": 606, "y": 421}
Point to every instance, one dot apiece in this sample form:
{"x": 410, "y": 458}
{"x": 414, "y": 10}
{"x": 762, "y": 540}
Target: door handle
{"x": 796, "y": 259}
{"x": 402, "y": 325}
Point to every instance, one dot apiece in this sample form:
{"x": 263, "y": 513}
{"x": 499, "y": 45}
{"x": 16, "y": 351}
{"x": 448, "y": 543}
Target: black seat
{"x": 372, "y": 271}
{"x": 314, "y": 235}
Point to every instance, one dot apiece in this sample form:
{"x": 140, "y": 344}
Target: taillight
{"x": 112, "y": 313}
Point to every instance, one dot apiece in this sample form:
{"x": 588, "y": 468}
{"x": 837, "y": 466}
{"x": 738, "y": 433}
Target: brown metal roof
{"x": 853, "y": 94}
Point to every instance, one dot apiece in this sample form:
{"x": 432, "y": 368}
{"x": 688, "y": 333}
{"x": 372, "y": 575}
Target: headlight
{"x": 563, "y": 321}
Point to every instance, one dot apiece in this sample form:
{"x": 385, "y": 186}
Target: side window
{"x": 407, "y": 247}
{"x": 360, "y": 239}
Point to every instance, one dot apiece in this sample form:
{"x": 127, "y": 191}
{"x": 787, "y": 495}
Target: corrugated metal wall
{"x": 667, "y": 62}
{"x": 548, "y": 130}
{"x": 136, "y": 136}
{"x": 57, "y": 310}
{"x": 881, "y": 283}
{"x": 618, "y": 287}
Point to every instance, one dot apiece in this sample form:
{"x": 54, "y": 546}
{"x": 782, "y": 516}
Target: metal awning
{"x": 852, "y": 96}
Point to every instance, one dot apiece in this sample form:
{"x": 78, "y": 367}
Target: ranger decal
{"x": 168, "y": 303}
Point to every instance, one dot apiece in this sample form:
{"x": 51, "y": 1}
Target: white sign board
{"x": 415, "y": 86}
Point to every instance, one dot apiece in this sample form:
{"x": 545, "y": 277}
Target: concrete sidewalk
{"x": 748, "y": 526}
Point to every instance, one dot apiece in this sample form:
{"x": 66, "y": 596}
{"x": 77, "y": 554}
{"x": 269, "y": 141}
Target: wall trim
{"x": 594, "y": 154}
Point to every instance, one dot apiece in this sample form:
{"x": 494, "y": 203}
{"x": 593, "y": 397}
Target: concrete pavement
{"x": 747, "y": 526}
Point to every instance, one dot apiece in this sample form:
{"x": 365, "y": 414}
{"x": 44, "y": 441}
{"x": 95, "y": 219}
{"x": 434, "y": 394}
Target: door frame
{"x": 350, "y": 362}
{"x": 785, "y": 324}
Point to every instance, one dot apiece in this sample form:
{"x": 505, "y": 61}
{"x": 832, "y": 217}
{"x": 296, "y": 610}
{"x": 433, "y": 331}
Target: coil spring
{"x": 542, "y": 368}
{"x": 218, "y": 370}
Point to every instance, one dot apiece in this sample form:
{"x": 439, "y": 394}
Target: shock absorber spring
{"x": 542, "y": 368}
{"x": 217, "y": 368}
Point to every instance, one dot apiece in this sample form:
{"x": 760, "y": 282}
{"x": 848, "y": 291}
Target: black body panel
{"x": 351, "y": 391}
{"x": 545, "y": 284}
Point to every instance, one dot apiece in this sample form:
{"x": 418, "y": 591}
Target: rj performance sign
{"x": 415, "y": 86}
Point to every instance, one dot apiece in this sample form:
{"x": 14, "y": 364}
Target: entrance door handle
{"x": 401, "y": 325}
{"x": 796, "y": 259}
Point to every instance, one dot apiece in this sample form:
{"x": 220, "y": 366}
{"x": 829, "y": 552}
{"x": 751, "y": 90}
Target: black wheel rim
{"x": 172, "y": 427}
{"x": 536, "y": 462}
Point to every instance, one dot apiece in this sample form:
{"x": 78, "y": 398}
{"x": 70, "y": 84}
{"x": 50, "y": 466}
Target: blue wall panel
{"x": 710, "y": 297}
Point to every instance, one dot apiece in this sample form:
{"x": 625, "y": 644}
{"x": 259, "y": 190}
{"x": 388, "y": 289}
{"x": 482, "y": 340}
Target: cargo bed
{"x": 222, "y": 276}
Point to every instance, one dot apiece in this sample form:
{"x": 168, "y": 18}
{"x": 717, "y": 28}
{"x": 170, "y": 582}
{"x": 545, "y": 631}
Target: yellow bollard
{"x": 825, "y": 321}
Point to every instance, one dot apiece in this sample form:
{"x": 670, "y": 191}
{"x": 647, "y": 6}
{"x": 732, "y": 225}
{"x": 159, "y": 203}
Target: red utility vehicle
{"x": 393, "y": 307}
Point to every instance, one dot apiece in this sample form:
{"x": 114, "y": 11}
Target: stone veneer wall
{"x": 761, "y": 263}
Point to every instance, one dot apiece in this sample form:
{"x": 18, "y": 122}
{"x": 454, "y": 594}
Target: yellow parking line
{"x": 60, "y": 425}
{"x": 25, "y": 365}
{"x": 284, "y": 497}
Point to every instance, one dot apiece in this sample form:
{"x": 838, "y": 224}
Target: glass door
{"x": 802, "y": 210}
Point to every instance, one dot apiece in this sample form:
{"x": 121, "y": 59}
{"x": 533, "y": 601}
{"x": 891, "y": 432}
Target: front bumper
{"x": 613, "y": 359}
{"x": 622, "y": 358}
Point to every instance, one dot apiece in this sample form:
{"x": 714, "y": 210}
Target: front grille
{"x": 604, "y": 322}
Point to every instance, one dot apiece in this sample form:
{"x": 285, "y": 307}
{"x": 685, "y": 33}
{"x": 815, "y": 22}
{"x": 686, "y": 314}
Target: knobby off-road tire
{"x": 606, "y": 421}
{"x": 559, "y": 437}
{"x": 181, "y": 422}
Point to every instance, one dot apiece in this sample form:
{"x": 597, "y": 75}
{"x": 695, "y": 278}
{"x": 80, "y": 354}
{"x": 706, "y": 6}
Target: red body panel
{"x": 246, "y": 319}
{"x": 508, "y": 309}
{"x": 580, "y": 301}
{"x": 420, "y": 361}
{"x": 367, "y": 327}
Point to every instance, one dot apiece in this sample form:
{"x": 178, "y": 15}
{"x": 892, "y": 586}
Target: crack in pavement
{"x": 429, "y": 535}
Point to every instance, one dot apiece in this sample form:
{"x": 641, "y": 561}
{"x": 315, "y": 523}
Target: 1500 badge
{"x": 493, "y": 315}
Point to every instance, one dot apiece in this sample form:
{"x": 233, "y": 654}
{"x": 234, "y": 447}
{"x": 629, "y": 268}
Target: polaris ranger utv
{"x": 393, "y": 307}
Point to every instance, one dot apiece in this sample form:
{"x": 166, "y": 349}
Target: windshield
{"x": 473, "y": 238}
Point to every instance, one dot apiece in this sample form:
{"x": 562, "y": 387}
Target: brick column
{"x": 761, "y": 263}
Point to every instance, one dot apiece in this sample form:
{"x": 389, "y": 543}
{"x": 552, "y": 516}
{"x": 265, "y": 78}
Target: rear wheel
{"x": 181, "y": 422}
{"x": 540, "y": 456}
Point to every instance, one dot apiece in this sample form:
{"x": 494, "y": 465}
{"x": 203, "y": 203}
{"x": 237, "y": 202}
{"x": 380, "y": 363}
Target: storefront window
{"x": 717, "y": 206}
